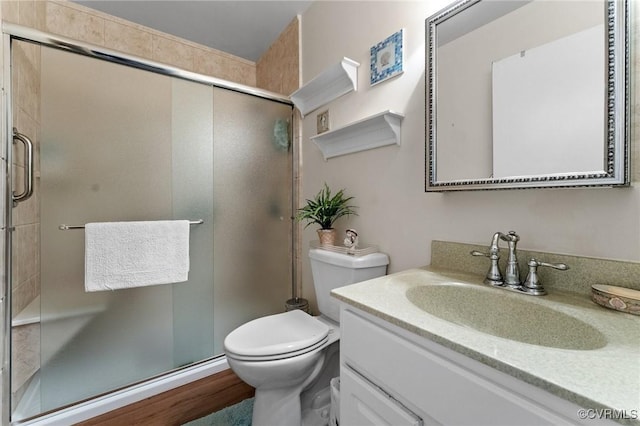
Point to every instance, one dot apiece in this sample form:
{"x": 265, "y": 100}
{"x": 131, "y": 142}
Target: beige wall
{"x": 388, "y": 182}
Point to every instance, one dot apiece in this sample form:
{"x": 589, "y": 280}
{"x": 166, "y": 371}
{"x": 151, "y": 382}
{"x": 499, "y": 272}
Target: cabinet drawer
{"x": 363, "y": 404}
{"x": 430, "y": 385}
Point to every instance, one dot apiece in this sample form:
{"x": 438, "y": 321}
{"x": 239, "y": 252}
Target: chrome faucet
{"x": 511, "y": 281}
{"x": 494, "y": 276}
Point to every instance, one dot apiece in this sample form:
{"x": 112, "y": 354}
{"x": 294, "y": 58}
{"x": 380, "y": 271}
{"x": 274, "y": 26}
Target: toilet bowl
{"x": 283, "y": 356}
{"x": 279, "y": 355}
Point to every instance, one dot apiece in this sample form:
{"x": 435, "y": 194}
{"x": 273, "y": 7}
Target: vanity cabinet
{"x": 367, "y": 404}
{"x": 392, "y": 376}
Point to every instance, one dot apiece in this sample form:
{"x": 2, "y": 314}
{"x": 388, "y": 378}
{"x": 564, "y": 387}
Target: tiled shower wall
{"x": 278, "y": 69}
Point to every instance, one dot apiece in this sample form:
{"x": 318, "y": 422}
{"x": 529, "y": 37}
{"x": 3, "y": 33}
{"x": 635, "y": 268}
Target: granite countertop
{"x": 607, "y": 376}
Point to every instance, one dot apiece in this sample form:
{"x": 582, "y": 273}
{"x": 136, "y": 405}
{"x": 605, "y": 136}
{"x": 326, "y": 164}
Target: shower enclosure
{"x": 115, "y": 139}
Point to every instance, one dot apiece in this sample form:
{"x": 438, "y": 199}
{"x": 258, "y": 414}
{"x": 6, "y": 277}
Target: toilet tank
{"x": 332, "y": 270}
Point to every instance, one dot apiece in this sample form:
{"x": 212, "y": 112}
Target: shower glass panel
{"x": 120, "y": 144}
{"x": 109, "y": 153}
{"x": 252, "y": 191}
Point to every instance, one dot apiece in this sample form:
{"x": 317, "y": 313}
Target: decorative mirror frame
{"x": 616, "y": 146}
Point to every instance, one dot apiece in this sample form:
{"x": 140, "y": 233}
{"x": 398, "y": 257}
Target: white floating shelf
{"x": 371, "y": 132}
{"x": 332, "y": 83}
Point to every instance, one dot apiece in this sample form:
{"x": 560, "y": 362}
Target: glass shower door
{"x": 122, "y": 144}
{"x": 117, "y": 146}
{"x": 252, "y": 166}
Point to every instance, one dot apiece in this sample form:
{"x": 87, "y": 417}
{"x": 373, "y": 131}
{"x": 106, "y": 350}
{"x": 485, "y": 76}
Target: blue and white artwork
{"x": 386, "y": 58}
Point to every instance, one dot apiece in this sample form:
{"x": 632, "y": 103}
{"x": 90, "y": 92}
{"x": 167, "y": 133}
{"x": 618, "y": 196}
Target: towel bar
{"x": 64, "y": 227}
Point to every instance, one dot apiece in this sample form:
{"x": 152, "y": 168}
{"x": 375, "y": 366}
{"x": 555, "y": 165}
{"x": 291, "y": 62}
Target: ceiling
{"x": 245, "y": 28}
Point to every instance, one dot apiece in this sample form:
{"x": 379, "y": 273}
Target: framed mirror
{"x": 527, "y": 94}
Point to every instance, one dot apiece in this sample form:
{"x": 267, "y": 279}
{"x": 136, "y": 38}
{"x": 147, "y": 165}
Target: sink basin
{"x": 509, "y": 316}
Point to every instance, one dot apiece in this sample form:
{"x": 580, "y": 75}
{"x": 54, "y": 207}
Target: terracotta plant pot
{"x": 327, "y": 237}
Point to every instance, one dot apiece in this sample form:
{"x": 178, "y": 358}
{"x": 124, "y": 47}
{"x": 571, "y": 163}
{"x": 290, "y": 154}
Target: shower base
{"x": 118, "y": 399}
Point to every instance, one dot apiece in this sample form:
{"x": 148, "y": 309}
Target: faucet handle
{"x": 494, "y": 276}
{"x": 510, "y": 236}
{"x": 532, "y": 283}
{"x": 493, "y": 255}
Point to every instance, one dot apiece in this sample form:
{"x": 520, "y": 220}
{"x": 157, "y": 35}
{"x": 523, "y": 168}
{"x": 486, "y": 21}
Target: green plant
{"x": 325, "y": 209}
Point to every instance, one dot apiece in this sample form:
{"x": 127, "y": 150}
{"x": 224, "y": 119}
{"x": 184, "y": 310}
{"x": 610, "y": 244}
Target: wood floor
{"x": 180, "y": 405}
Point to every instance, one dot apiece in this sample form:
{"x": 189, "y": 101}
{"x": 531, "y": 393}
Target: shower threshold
{"x": 108, "y": 402}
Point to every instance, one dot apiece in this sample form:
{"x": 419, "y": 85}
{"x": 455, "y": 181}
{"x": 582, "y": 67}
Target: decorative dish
{"x": 618, "y": 298}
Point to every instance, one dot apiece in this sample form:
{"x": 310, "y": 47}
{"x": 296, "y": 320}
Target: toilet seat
{"x": 276, "y": 337}
{"x": 276, "y": 357}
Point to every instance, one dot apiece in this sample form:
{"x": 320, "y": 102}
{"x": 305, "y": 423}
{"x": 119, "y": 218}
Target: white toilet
{"x": 290, "y": 357}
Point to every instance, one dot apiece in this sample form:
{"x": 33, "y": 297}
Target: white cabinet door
{"x": 362, "y": 404}
{"x": 437, "y": 388}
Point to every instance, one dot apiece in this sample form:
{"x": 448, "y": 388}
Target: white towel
{"x": 135, "y": 254}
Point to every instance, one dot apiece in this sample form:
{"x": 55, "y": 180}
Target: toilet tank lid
{"x": 356, "y": 262}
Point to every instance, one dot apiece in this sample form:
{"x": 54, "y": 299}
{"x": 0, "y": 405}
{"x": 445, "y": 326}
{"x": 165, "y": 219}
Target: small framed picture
{"x": 387, "y": 58}
{"x": 322, "y": 123}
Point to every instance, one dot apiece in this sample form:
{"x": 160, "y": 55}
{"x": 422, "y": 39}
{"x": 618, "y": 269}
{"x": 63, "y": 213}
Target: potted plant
{"x": 324, "y": 209}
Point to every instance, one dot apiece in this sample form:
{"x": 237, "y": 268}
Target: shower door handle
{"x": 28, "y": 167}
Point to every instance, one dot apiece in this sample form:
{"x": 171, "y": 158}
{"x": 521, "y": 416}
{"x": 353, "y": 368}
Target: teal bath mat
{"x": 236, "y": 415}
